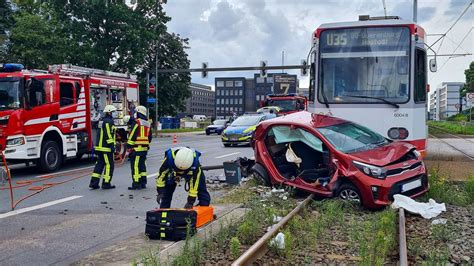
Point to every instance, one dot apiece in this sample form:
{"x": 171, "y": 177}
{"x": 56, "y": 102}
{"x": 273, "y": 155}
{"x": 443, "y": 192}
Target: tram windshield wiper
{"x": 376, "y": 98}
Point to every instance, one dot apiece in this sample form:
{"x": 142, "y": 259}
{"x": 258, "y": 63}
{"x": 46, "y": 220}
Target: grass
{"x": 241, "y": 194}
{"x": 180, "y": 130}
{"x": 450, "y": 127}
{"x": 375, "y": 237}
{"x": 448, "y": 192}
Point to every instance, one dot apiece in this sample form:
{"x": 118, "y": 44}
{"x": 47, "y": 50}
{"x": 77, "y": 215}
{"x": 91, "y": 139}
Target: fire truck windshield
{"x": 9, "y": 93}
{"x": 364, "y": 65}
{"x": 284, "y": 105}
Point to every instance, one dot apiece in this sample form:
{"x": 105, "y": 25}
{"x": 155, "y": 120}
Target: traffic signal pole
{"x": 156, "y": 90}
{"x": 216, "y": 69}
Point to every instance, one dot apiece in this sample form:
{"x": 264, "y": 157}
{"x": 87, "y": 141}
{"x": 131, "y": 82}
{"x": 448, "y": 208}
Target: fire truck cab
{"x": 286, "y": 103}
{"x": 47, "y": 116}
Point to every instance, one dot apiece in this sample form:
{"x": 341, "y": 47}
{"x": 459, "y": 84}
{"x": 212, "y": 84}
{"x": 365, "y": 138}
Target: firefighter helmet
{"x": 184, "y": 158}
{"x": 110, "y": 109}
{"x": 142, "y": 110}
{"x": 126, "y": 118}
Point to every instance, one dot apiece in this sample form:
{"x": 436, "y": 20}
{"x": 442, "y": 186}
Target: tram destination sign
{"x": 363, "y": 37}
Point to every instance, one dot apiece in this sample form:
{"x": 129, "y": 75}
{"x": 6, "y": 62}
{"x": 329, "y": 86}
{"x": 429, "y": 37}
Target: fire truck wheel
{"x": 51, "y": 158}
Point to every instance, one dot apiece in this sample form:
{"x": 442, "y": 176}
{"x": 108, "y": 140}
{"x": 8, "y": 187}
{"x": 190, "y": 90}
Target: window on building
{"x": 269, "y": 79}
{"x": 229, "y": 83}
{"x": 231, "y": 92}
{"x": 238, "y": 83}
{"x": 241, "y": 92}
{"x": 220, "y": 83}
{"x": 226, "y": 101}
{"x": 240, "y": 101}
{"x": 260, "y": 80}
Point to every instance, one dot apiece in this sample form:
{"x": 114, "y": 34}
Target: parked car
{"x": 217, "y": 127}
{"x": 332, "y": 157}
{"x": 199, "y": 117}
{"x": 241, "y": 130}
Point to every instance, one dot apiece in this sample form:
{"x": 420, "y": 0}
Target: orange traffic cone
{"x": 175, "y": 139}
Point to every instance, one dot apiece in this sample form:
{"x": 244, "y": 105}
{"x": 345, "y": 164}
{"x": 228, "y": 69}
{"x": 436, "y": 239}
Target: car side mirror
{"x": 433, "y": 65}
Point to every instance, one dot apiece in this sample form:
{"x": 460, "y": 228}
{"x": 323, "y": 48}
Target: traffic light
{"x": 304, "y": 67}
{"x": 204, "y": 72}
{"x": 263, "y": 71}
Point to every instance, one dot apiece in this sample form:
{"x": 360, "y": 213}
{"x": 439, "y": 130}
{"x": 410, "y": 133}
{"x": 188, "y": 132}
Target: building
{"x": 303, "y": 92}
{"x": 230, "y": 96}
{"x": 201, "y": 101}
{"x": 239, "y": 95}
{"x": 445, "y": 100}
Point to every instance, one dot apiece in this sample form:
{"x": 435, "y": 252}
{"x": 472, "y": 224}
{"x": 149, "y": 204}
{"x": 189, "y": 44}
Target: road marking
{"x": 67, "y": 171}
{"x": 227, "y": 155}
{"x": 32, "y": 208}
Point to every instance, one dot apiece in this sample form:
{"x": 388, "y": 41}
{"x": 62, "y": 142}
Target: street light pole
{"x": 156, "y": 87}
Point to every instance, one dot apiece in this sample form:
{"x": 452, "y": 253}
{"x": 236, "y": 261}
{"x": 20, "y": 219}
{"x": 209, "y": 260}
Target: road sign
{"x": 470, "y": 97}
{"x": 151, "y": 100}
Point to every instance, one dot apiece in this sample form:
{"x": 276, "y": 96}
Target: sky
{"x": 227, "y": 33}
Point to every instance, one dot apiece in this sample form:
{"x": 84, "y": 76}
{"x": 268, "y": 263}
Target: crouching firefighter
{"x": 182, "y": 163}
{"x": 139, "y": 143}
{"x": 104, "y": 151}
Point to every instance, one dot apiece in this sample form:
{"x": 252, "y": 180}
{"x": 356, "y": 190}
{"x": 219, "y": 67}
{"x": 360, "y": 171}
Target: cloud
{"x": 226, "y": 21}
{"x": 456, "y": 7}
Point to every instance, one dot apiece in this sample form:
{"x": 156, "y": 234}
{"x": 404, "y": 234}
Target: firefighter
{"x": 182, "y": 163}
{"x": 139, "y": 142}
{"x": 104, "y": 150}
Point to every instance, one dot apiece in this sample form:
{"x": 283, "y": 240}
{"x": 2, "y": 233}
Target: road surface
{"x": 67, "y": 222}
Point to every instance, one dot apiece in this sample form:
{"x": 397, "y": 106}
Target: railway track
{"x": 260, "y": 247}
{"x": 467, "y": 155}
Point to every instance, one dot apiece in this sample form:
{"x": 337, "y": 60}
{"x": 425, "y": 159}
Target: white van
{"x": 199, "y": 117}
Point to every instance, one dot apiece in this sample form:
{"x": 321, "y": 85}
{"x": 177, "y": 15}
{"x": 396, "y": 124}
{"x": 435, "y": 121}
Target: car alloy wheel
{"x": 349, "y": 192}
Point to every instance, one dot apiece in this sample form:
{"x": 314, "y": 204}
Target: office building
{"x": 230, "y": 96}
{"x": 445, "y": 100}
{"x": 201, "y": 101}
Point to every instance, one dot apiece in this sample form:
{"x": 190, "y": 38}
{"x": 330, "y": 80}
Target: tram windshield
{"x": 364, "y": 65}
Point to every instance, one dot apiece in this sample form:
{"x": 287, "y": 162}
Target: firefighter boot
{"x": 135, "y": 186}
{"x": 94, "y": 183}
{"x": 107, "y": 186}
{"x": 143, "y": 182}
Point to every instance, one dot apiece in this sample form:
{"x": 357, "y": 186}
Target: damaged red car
{"x": 332, "y": 157}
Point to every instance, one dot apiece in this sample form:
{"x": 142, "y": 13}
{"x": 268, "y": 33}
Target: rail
{"x": 402, "y": 238}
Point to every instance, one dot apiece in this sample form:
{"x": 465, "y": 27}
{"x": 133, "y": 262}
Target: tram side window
{"x": 420, "y": 76}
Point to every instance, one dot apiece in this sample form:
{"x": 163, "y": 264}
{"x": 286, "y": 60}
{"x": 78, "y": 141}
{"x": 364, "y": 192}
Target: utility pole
{"x": 156, "y": 86}
{"x": 415, "y": 10}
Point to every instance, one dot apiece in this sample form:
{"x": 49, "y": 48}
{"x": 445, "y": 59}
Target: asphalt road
{"x": 66, "y": 222}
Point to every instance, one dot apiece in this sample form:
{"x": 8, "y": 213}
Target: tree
{"x": 6, "y": 22}
{"x": 469, "y": 86}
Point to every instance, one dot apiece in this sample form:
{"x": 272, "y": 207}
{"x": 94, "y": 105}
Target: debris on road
{"x": 278, "y": 241}
{"x": 103, "y": 202}
{"x": 439, "y": 221}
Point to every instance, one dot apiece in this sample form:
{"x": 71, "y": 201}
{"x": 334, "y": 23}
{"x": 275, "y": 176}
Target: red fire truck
{"x": 286, "y": 103}
{"x": 49, "y": 116}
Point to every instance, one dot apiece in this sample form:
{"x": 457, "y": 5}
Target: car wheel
{"x": 207, "y": 133}
{"x": 226, "y": 145}
{"x": 260, "y": 179}
{"x": 51, "y": 158}
{"x": 349, "y": 192}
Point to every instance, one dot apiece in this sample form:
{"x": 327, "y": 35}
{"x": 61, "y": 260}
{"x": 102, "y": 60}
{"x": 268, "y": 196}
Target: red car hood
{"x": 383, "y": 155}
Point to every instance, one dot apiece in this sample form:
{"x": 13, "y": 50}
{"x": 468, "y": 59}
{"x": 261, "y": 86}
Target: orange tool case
{"x": 172, "y": 224}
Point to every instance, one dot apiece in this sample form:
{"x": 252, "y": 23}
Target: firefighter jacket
{"x": 140, "y": 136}
{"x": 170, "y": 173}
{"x": 106, "y": 135}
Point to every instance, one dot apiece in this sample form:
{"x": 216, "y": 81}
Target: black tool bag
{"x": 170, "y": 224}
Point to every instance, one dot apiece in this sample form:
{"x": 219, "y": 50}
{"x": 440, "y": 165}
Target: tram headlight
{"x": 397, "y": 133}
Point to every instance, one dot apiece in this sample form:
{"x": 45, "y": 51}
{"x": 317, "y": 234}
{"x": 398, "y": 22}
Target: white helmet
{"x": 110, "y": 109}
{"x": 126, "y": 118}
{"x": 142, "y": 110}
{"x": 184, "y": 158}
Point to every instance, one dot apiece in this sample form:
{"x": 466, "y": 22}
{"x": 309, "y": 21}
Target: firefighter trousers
{"x": 104, "y": 165}
{"x": 138, "y": 165}
{"x": 202, "y": 195}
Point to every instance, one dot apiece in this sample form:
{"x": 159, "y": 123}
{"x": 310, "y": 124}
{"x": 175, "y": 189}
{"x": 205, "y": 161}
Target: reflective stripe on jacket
{"x": 139, "y": 138}
{"x": 106, "y": 135}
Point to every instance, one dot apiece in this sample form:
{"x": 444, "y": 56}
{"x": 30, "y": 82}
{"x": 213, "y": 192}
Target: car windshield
{"x": 9, "y": 93}
{"x": 364, "y": 65}
{"x": 350, "y": 137}
{"x": 246, "y": 121}
{"x": 284, "y": 105}
{"x": 219, "y": 122}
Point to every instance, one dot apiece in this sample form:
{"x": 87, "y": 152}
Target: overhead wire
{"x": 454, "y": 24}
{"x": 457, "y": 47}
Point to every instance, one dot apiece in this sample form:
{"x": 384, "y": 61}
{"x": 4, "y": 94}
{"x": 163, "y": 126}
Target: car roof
{"x": 305, "y": 118}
